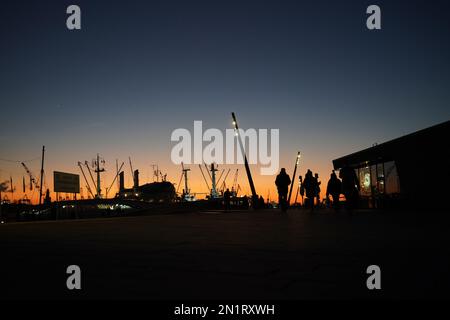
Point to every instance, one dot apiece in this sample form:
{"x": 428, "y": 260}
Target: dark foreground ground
{"x": 235, "y": 255}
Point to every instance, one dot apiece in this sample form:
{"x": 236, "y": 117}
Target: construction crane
{"x": 131, "y": 167}
{"x": 222, "y": 188}
{"x": 207, "y": 170}
{"x": 86, "y": 164}
{"x": 32, "y": 179}
{"x": 204, "y": 178}
{"x": 88, "y": 187}
{"x": 234, "y": 185}
{"x": 238, "y": 189}
{"x": 221, "y": 174}
{"x": 112, "y": 183}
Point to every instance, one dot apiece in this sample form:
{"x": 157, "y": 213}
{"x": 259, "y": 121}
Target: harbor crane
{"x": 32, "y": 178}
{"x": 186, "y": 194}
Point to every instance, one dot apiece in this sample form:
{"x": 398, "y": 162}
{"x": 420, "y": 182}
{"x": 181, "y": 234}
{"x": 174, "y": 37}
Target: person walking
{"x": 282, "y": 182}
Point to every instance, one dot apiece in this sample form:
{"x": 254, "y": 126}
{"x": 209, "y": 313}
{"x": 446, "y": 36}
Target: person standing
{"x": 317, "y": 189}
{"x": 334, "y": 188}
{"x": 282, "y": 182}
{"x": 350, "y": 187}
{"x": 309, "y": 185}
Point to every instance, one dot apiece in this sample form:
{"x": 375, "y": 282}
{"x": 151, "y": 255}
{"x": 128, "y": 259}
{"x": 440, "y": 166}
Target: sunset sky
{"x": 137, "y": 70}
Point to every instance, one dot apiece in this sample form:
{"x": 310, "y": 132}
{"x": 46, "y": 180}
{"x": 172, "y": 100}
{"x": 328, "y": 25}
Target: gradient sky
{"x": 140, "y": 69}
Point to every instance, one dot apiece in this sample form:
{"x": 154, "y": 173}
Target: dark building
{"x": 408, "y": 172}
{"x": 152, "y": 192}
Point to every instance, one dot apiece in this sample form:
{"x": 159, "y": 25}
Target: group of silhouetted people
{"x": 347, "y": 184}
{"x": 310, "y": 188}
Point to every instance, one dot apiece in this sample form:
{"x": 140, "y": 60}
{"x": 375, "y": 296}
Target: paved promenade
{"x": 234, "y": 255}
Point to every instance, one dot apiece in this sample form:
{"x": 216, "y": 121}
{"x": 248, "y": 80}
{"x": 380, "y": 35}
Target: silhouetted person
{"x": 334, "y": 188}
{"x": 261, "y": 203}
{"x": 350, "y": 187}
{"x": 317, "y": 188}
{"x": 227, "y": 199}
{"x": 310, "y": 187}
{"x": 282, "y": 182}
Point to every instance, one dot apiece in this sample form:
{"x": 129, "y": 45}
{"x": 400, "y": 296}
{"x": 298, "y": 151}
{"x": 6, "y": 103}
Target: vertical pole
{"x": 298, "y": 190}
{"x": 186, "y": 190}
{"x": 117, "y": 173}
{"x": 12, "y": 189}
{"x": 297, "y": 159}
{"x": 42, "y": 175}
{"x": 247, "y": 168}
{"x": 98, "y": 176}
{"x": 213, "y": 181}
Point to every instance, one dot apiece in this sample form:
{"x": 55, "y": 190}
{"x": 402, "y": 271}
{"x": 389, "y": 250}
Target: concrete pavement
{"x": 228, "y": 255}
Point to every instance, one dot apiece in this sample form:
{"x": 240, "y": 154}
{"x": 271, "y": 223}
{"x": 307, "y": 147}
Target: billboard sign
{"x": 66, "y": 182}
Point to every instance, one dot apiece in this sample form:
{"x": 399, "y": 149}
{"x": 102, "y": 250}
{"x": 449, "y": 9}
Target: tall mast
{"x": 12, "y": 189}
{"x": 185, "y": 171}
{"x": 42, "y": 175}
{"x": 297, "y": 160}
{"x": 117, "y": 173}
{"x": 213, "y": 181}
{"x": 98, "y": 170}
{"x": 98, "y": 176}
{"x": 247, "y": 168}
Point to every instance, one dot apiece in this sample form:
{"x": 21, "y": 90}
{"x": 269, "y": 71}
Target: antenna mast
{"x": 213, "y": 181}
{"x": 98, "y": 170}
{"x": 42, "y": 175}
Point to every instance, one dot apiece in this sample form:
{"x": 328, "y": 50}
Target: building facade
{"x": 408, "y": 172}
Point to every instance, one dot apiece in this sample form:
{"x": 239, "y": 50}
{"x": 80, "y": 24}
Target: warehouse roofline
{"x": 401, "y": 147}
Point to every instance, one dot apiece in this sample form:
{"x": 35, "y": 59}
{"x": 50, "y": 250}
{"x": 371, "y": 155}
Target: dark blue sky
{"x": 139, "y": 69}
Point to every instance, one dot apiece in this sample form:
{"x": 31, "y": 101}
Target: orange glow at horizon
{"x": 265, "y": 185}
